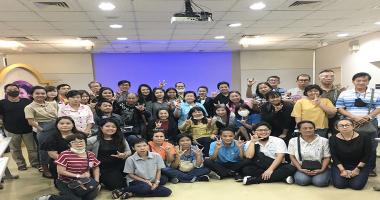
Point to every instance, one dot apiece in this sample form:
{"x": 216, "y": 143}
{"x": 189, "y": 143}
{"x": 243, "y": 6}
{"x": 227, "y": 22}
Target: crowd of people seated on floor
{"x": 133, "y": 143}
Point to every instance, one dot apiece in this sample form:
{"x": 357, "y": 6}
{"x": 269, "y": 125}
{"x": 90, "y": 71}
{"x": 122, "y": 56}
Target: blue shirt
{"x": 347, "y": 98}
{"x": 252, "y": 119}
{"x": 280, "y": 90}
{"x": 226, "y": 153}
{"x": 185, "y": 108}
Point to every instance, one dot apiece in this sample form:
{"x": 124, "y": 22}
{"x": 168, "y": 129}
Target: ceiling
{"x": 146, "y": 24}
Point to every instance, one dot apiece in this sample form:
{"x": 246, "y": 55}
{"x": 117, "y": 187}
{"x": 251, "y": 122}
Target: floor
{"x": 31, "y": 184}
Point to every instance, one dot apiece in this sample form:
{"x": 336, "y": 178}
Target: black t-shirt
{"x": 14, "y": 116}
{"x": 221, "y": 98}
{"x": 106, "y": 149}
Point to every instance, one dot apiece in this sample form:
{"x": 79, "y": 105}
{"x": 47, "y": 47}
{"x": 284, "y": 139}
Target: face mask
{"x": 181, "y": 90}
{"x": 243, "y": 113}
{"x": 13, "y": 93}
{"x": 78, "y": 151}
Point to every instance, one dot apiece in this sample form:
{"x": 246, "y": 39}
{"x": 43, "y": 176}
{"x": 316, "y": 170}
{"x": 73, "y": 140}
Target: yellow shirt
{"x": 306, "y": 110}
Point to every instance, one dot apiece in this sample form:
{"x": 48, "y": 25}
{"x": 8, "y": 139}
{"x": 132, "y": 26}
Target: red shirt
{"x": 76, "y": 164}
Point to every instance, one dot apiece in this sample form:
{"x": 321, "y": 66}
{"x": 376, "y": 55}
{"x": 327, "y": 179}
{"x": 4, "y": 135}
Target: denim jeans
{"x": 185, "y": 177}
{"x": 47, "y": 127}
{"x": 356, "y": 183}
{"x": 142, "y": 189}
{"x": 319, "y": 180}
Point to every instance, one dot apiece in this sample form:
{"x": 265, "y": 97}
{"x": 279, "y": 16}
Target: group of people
{"x": 133, "y": 143}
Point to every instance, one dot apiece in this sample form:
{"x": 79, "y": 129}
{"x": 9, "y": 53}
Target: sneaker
{"x": 43, "y": 197}
{"x": 203, "y": 178}
{"x": 289, "y": 180}
{"x": 214, "y": 175}
{"x": 174, "y": 180}
{"x": 248, "y": 180}
{"x": 376, "y": 188}
{"x": 372, "y": 173}
{"x": 239, "y": 177}
{"x": 22, "y": 168}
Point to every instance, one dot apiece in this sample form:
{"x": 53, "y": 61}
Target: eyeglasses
{"x": 76, "y": 141}
{"x": 344, "y": 125}
{"x": 262, "y": 130}
{"x": 303, "y": 80}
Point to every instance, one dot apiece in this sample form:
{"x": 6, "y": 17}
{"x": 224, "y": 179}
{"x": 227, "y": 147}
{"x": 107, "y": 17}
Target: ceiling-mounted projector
{"x": 190, "y": 16}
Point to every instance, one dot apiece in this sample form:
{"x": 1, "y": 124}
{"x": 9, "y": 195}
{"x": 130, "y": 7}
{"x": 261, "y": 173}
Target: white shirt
{"x": 273, "y": 146}
{"x": 315, "y": 150}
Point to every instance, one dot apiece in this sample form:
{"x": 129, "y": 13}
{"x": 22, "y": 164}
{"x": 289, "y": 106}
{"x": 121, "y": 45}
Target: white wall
{"x": 286, "y": 64}
{"x": 74, "y": 69}
{"x": 338, "y": 55}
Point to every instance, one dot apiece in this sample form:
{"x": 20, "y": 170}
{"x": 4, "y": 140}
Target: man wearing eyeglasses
{"x": 296, "y": 93}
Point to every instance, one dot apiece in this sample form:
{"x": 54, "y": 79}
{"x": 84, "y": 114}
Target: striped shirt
{"x": 76, "y": 164}
{"x": 347, "y": 98}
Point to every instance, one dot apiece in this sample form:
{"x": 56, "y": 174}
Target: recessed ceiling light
{"x": 116, "y": 26}
{"x": 257, "y": 6}
{"x": 122, "y": 38}
{"x": 250, "y": 40}
{"x": 234, "y": 25}
{"x": 77, "y": 43}
{"x": 342, "y": 35}
{"x": 219, "y": 37}
{"x": 107, "y": 6}
{"x": 377, "y": 23}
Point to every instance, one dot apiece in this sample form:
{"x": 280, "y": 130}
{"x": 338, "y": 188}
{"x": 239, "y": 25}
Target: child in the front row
{"x": 226, "y": 156}
{"x": 188, "y": 164}
{"x": 144, "y": 174}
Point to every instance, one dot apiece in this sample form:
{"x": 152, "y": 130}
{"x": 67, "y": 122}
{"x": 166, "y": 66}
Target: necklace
{"x": 353, "y": 133}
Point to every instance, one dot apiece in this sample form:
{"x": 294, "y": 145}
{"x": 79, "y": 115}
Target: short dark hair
{"x": 299, "y": 124}
{"x": 222, "y": 83}
{"x": 75, "y": 136}
{"x": 272, "y": 94}
{"x": 180, "y": 136}
{"x": 262, "y": 124}
{"x": 175, "y": 85}
{"x": 73, "y": 93}
{"x": 138, "y": 141}
{"x": 274, "y": 76}
{"x": 361, "y": 74}
{"x": 326, "y": 70}
{"x": 50, "y": 88}
{"x": 227, "y": 129}
{"x": 62, "y": 85}
{"x": 307, "y": 75}
{"x": 344, "y": 119}
{"x": 89, "y": 84}
{"x": 190, "y": 92}
{"x": 9, "y": 85}
{"x": 204, "y": 87}
{"x": 122, "y": 82}
{"x": 310, "y": 87}
{"x": 37, "y": 87}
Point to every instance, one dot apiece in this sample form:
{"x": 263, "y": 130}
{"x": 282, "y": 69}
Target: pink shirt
{"x": 82, "y": 117}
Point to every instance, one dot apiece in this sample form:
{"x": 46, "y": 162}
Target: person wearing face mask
{"x": 200, "y": 128}
{"x": 266, "y": 154}
{"x": 16, "y": 126}
{"x": 362, "y": 105}
{"x": 164, "y": 122}
{"x": 181, "y": 89}
{"x": 245, "y": 119}
{"x": 76, "y": 163}
{"x": 277, "y": 113}
{"x": 111, "y": 149}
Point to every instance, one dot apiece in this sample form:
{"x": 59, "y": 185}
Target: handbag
{"x": 307, "y": 164}
{"x": 186, "y": 166}
{"x": 260, "y": 159}
{"x": 83, "y": 186}
{"x": 368, "y": 127}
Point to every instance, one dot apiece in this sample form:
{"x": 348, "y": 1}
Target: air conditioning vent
{"x": 303, "y": 3}
{"x": 20, "y": 39}
{"x": 88, "y": 38}
{"x": 44, "y": 4}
